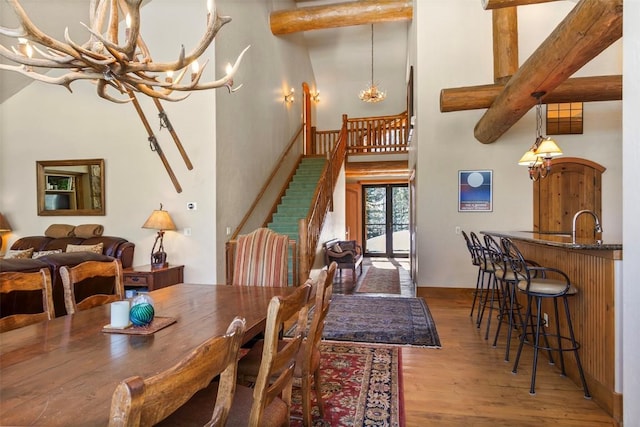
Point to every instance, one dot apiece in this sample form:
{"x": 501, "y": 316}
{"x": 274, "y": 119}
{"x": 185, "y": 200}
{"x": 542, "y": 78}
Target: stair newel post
{"x": 303, "y": 251}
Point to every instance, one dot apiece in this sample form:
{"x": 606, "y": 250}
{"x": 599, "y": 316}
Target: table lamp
{"x": 4, "y": 227}
{"x": 159, "y": 220}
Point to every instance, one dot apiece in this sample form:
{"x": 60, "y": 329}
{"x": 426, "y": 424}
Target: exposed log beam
{"x": 498, "y": 4}
{"x": 505, "y": 43}
{"x": 579, "y": 89}
{"x": 340, "y": 15}
{"x": 591, "y": 27}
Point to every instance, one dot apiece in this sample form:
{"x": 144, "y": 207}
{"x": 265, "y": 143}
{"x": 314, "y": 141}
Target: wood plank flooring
{"x": 468, "y": 383}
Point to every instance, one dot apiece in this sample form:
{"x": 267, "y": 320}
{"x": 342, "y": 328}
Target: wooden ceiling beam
{"x": 499, "y": 4}
{"x": 591, "y": 27}
{"x": 340, "y": 15}
{"x": 578, "y": 89}
{"x": 505, "y": 43}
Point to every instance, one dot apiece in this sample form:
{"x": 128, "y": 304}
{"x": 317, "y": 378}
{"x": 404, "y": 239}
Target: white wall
{"x": 45, "y": 122}
{"x": 255, "y": 124}
{"x": 631, "y": 212}
{"x": 446, "y": 144}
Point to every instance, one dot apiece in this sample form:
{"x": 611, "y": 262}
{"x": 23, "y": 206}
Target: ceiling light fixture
{"x": 372, "y": 93}
{"x": 544, "y": 149}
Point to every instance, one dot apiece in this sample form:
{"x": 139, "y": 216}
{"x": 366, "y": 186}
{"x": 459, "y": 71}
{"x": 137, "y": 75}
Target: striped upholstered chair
{"x": 261, "y": 259}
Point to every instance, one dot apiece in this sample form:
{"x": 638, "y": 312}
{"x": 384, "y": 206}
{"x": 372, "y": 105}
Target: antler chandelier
{"x": 126, "y": 68}
{"x": 372, "y": 93}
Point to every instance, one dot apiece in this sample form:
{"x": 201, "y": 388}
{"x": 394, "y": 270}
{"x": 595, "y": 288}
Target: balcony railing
{"x": 367, "y": 135}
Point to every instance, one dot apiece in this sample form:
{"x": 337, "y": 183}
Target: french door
{"x": 385, "y": 220}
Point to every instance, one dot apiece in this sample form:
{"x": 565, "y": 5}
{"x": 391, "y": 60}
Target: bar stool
{"x": 475, "y": 260}
{"x": 490, "y": 297}
{"x": 509, "y": 306}
{"x": 536, "y": 286}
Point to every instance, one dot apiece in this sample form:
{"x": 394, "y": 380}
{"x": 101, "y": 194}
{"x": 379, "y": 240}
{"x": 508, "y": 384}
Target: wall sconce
{"x": 315, "y": 96}
{"x": 544, "y": 149}
{"x": 288, "y": 98}
{"x": 159, "y": 220}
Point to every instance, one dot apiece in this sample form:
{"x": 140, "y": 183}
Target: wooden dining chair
{"x": 145, "y": 402}
{"x": 261, "y": 258}
{"x": 267, "y": 403}
{"x": 27, "y": 282}
{"x": 92, "y": 283}
{"x": 307, "y": 369}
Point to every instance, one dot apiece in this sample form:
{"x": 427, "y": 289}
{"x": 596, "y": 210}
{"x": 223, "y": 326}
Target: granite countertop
{"x": 557, "y": 239}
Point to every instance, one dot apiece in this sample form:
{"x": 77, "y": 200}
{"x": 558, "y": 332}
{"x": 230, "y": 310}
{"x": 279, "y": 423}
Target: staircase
{"x": 296, "y": 201}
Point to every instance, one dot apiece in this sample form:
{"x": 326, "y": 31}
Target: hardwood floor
{"x": 468, "y": 383}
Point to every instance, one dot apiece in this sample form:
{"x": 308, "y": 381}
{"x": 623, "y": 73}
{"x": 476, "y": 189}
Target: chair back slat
{"x": 27, "y": 282}
{"x": 76, "y": 288}
{"x": 146, "y": 402}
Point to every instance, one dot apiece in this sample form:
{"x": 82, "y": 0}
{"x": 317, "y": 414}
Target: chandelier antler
{"x": 124, "y": 67}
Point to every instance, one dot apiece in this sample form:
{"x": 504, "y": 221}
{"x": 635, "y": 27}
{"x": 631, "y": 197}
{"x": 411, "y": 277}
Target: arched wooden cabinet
{"x": 572, "y": 185}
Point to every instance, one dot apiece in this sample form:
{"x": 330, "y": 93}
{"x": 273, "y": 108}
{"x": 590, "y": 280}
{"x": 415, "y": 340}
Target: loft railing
{"x": 366, "y": 135}
{"x": 309, "y": 228}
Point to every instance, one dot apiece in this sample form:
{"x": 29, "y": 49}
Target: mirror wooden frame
{"x": 66, "y": 174}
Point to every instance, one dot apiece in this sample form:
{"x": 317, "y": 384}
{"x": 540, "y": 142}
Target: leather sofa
{"x": 346, "y": 253}
{"x": 114, "y": 247}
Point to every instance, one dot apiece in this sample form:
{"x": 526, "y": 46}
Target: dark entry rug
{"x": 385, "y": 320}
{"x": 361, "y": 386}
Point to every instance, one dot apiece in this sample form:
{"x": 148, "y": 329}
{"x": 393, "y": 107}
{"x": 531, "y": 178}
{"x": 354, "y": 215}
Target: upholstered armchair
{"x": 261, "y": 258}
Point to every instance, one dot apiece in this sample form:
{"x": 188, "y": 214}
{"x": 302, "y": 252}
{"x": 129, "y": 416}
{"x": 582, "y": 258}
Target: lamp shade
{"x": 159, "y": 220}
{"x": 4, "y": 224}
{"x": 548, "y": 148}
{"x": 529, "y": 159}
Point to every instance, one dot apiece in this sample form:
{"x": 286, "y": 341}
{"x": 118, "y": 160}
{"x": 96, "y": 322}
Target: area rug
{"x": 381, "y": 280}
{"x": 385, "y": 320}
{"x": 361, "y": 386}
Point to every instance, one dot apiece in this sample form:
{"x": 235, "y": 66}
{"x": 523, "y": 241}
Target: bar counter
{"x": 595, "y": 268}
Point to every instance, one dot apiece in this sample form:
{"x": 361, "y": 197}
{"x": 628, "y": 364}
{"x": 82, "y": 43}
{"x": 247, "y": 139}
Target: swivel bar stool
{"x": 507, "y": 279}
{"x": 491, "y": 295}
{"x": 533, "y": 283}
{"x": 475, "y": 260}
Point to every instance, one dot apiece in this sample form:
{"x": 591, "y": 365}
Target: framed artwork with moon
{"x": 475, "y": 191}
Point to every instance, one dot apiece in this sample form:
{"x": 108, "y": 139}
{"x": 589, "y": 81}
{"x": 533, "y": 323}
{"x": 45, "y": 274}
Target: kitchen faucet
{"x": 598, "y": 227}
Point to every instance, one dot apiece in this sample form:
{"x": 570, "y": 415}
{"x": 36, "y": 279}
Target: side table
{"x": 145, "y": 276}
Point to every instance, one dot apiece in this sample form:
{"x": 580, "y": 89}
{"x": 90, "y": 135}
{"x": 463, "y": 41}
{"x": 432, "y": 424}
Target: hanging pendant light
{"x": 544, "y": 149}
{"x": 372, "y": 93}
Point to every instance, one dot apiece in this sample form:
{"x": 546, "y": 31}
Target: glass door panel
{"x": 386, "y": 220}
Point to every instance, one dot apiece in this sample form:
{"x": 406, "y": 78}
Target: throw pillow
{"x": 97, "y": 248}
{"x": 43, "y": 253}
{"x": 337, "y": 248}
{"x": 57, "y": 231}
{"x": 18, "y": 253}
{"x": 88, "y": 230}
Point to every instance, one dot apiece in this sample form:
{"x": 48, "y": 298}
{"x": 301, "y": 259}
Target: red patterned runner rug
{"x": 361, "y": 386}
{"x": 381, "y": 280}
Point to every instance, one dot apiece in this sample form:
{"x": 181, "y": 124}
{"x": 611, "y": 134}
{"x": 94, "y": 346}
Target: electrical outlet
{"x": 458, "y": 230}
{"x": 187, "y": 231}
{"x": 545, "y": 317}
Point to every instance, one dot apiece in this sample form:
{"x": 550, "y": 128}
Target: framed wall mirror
{"x": 70, "y": 187}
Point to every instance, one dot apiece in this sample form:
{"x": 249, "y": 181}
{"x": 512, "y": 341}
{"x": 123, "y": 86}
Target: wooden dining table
{"x": 63, "y": 372}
